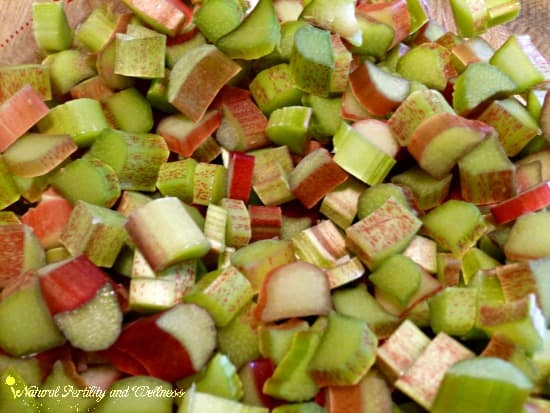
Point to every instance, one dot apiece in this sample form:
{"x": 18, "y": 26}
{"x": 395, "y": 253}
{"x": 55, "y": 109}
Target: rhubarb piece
{"x": 67, "y": 68}
{"x": 148, "y": 394}
{"x": 140, "y": 55}
{"x": 376, "y": 37}
{"x": 194, "y": 402}
{"x": 21, "y": 251}
{"x": 399, "y": 352}
{"x": 428, "y": 63}
{"x": 256, "y": 36}
{"x": 83, "y": 119}
{"x": 9, "y": 217}
{"x": 156, "y": 94}
{"x": 97, "y": 29}
{"x": 386, "y": 231}
{"x": 473, "y": 50}
{"x": 215, "y": 223}
{"x": 105, "y": 66}
{"x": 240, "y": 170}
{"x": 356, "y": 154}
{"x": 312, "y": 60}
{"x": 259, "y": 258}
{"x": 527, "y": 239}
{"x": 356, "y": 353}
{"x": 422, "y": 380}
{"x": 519, "y": 58}
{"x": 288, "y": 126}
{"x": 341, "y": 204}
{"x": 325, "y": 115}
{"x": 209, "y": 183}
{"x": 274, "y": 87}
{"x": 51, "y": 29}
{"x": 471, "y": 17}
{"x": 176, "y": 179}
{"x": 222, "y": 293}
{"x": 220, "y": 378}
{"x": 150, "y": 226}
{"x": 469, "y": 383}
{"x": 453, "y": 311}
{"x": 95, "y": 231}
{"x": 374, "y": 196}
{"x": 94, "y": 87}
{"x": 291, "y": 379}
{"x": 242, "y": 126}
{"x": 431, "y": 144}
{"x": 428, "y": 191}
{"x": 322, "y": 244}
{"x": 27, "y": 324}
{"x": 204, "y": 65}
{"x": 265, "y": 222}
{"x": 165, "y": 16}
{"x": 378, "y": 91}
{"x": 276, "y": 339}
{"x": 152, "y": 294}
{"x": 238, "y": 229}
{"x": 135, "y": 157}
{"x": 474, "y": 260}
{"x": 486, "y": 174}
{"x": 130, "y": 111}
{"x": 185, "y": 136}
{"x": 15, "y": 77}
{"x": 515, "y": 126}
{"x": 307, "y": 280}
{"x": 335, "y": 16}
{"x": 37, "y": 154}
{"x": 399, "y": 277}
{"x": 90, "y": 180}
{"x": 379, "y": 134}
{"x": 216, "y": 18}
{"x": 314, "y": 176}
{"x": 468, "y": 95}
{"x": 394, "y": 13}
{"x": 18, "y": 114}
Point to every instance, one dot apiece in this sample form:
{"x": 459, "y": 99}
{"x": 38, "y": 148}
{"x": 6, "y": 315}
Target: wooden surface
{"x": 17, "y": 43}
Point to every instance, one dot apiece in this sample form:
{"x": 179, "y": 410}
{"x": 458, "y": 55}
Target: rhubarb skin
{"x": 240, "y": 170}
{"x": 531, "y": 200}
{"x": 16, "y": 250}
{"x": 19, "y": 113}
{"x": 393, "y": 13}
{"x": 48, "y": 218}
{"x": 70, "y": 284}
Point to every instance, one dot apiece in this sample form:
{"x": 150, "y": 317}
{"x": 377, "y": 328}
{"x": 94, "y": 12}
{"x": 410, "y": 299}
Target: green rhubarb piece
{"x": 418, "y": 14}
{"x": 50, "y": 26}
{"x": 71, "y": 397}
{"x": 9, "y": 192}
{"x": 176, "y": 179}
{"x": 310, "y": 407}
{"x": 341, "y": 204}
{"x": 325, "y": 116}
{"x": 238, "y": 230}
{"x": 222, "y": 293}
{"x": 539, "y": 270}
{"x": 535, "y": 102}
{"x": 14, "y": 77}
{"x": 478, "y": 83}
{"x": 67, "y": 68}
{"x": 312, "y": 60}
{"x": 140, "y": 56}
{"x": 377, "y": 38}
{"x": 130, "y": 110}
{"x": 529, "y": 238}
{"x": 90, "y": 180}
{"x": 355, "y": 356}
{"x": 470, "y": 17}
{"x": 215, "y": 223}
{"x": 455, "y": 225}
{"x": 27, "y": 326}
{"x": 14, "y": 394}
{"x": 428, "y": 191}
{"x": 197, "y": 402}
{"x": 337, "y": 16}
{"x": 476, "y": 259}
{"x": 292, "y": 380}
{"x": 384, "y": 232}
{"x": 220, "y": 378}
{"x": 274, "y": 88}
{"x": 475, "y": 49}
{"x": 135, "y": 157}
{"x": 216, "y": 18}
{"x": 164, "y": 16}
{"x": 518, "y": 58}
{"x": 311, "y": 245}
{"x": 82, "y": 118}
{"x": 289, "y": 126}
{"x": 100, "y": 317}
{"x": 486, "y": 174}
{"x": 288, "y": 29}
{"x": 256, "y": 36}
{"x": 238, "y": 340}
{"x": 97, "y": 29}
{"x": 427, "y": 63}
{"x": 399, "y": 277}
{"x": 156, "y": 95}
{"x": 515, "y": 126}
{"x": 209, "y": 183}
{"x": 57, "y": 254}
{"x": 374, "y": 196}
{"x": 502, "y": 11}
{"x": 453, "y": 311}
{"x": 105, "y": 65}
{"x": 359, "y": 303}
{"x": 95, "y": 231}
{"x": 130, "y": 201}
{"x": 137, "y": 394}
{"x": 357, "y": 155}
{"x": 276, "y": 339}
{"x": 470, "y": 385}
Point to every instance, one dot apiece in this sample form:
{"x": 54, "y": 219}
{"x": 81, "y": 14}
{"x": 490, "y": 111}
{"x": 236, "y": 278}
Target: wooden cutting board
{"x": 17, "y": 44}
